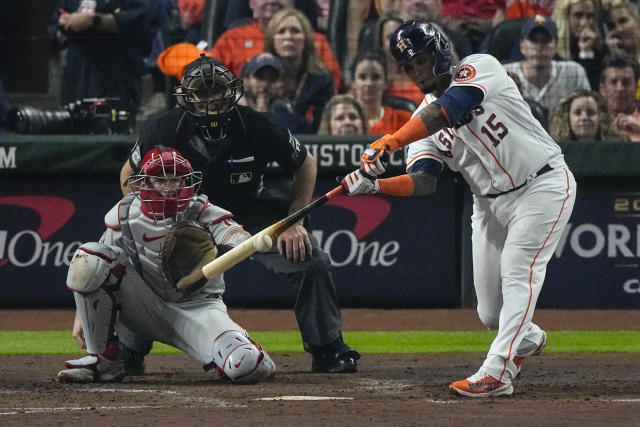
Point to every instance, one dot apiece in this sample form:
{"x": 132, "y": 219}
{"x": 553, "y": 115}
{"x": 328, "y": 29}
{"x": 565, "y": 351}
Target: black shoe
{"x": 335, "y": 359}
{"x": 132, "y": 361}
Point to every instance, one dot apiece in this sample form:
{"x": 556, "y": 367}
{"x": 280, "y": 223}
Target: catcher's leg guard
{"x": 95, "y": 273}
{"x": 240, "y": 359}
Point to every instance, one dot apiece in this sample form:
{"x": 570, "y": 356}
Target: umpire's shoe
{"x": 132, "y": 361}
{"x": 105, "y": 367}
{"x": 334, "y": 358}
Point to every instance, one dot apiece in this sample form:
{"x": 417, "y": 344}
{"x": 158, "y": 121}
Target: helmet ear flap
{"x": 443, "y": 55}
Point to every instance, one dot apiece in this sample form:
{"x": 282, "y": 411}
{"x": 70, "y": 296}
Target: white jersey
{"x": 496, "y": 146}
{"x": 149, "y": 236}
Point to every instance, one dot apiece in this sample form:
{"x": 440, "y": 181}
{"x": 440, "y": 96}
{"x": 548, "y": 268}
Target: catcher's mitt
{"x": 187, "y": 248}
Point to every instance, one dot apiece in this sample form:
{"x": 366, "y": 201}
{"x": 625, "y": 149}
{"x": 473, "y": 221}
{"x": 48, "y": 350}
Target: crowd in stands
{"x": 575, "y": 61}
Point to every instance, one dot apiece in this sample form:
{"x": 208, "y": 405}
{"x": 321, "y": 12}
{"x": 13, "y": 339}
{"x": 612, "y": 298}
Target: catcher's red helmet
{"x": 166, "y": 183}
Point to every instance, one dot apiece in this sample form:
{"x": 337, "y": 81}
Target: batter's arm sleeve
{"x": 424, "y": 184}
{"x": 458, "y": 101}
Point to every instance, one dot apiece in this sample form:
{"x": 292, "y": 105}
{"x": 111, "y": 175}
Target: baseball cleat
{"x": 334, "y": 363}
{"x": 132, "y": 361}
{"x": 92, "y": 369}
{"x": 518, "y": 359}
{"x": 481, "y": 384}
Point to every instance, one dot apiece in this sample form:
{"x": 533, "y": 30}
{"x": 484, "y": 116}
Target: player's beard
{"x": 437, "y": 86}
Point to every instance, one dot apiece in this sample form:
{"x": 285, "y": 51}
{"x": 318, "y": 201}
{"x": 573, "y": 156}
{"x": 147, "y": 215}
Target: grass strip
{"x": 60, "y": 342}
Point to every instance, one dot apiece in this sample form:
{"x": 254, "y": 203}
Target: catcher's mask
{"x": 209, "y": 92}
{"x": 166, "y": 183}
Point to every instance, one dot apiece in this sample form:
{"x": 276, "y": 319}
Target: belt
{"x": 546, "y": 168}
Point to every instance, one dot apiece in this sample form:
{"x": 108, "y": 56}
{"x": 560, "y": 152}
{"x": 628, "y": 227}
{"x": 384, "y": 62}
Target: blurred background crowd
{"x": 321, "y": 66}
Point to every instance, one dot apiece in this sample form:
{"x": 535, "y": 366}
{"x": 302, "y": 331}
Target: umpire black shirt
{"x": 232, "y": 168}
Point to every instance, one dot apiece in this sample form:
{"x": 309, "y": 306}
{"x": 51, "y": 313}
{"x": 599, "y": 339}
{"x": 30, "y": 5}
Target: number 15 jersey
{"x": 497, "y": 143}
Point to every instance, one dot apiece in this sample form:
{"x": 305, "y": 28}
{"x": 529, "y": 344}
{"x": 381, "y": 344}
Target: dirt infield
{"x": 389, "y": 389}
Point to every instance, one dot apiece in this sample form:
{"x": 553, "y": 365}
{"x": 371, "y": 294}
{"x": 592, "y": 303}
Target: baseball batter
{"x": 474, "y": 120}
{"x": 146, "y": 270}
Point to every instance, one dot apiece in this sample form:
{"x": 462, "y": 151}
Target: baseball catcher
{"x": 145, "y": 274}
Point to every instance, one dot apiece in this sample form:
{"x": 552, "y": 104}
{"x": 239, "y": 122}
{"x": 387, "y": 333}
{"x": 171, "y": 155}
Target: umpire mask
{"x": 209, "y": 92}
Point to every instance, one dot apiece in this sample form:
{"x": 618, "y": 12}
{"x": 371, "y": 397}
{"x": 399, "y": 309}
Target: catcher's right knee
{"x": 240, "y": 359}
{"x": 95, "y": 264}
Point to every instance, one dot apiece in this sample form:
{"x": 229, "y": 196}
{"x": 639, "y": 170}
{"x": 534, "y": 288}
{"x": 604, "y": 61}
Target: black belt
{"x": 546, "y": 168}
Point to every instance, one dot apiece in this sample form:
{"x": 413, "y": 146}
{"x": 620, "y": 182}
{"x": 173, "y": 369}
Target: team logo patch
{"x": 404, "y": 44}
{"x": 464, "y": 73}
{"x": 136, "y": 157}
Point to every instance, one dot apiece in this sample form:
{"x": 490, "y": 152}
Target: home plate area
{"x": 388, "y": 389}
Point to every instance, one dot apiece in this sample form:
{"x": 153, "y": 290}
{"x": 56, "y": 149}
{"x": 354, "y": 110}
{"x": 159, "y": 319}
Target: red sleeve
{"x": 238, "y": 45}
{"x": 329, "y": 59}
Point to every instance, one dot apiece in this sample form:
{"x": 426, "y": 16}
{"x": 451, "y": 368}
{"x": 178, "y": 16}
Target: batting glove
{"x": 377, "y": 167}
{"x": 357, "y": 183}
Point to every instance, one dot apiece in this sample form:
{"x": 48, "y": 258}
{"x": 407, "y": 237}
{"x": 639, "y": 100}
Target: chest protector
{"x": 142, "y": 240}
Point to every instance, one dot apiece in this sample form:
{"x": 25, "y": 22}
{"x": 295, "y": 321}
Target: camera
{"x": 84, "y": 116}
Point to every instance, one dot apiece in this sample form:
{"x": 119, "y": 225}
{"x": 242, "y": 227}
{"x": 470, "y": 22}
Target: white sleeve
{"x": 112, "y": 224}
{"x": 218, "y": 221}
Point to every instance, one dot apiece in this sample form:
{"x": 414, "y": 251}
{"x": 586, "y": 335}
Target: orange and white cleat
{"x": 481, "y": 384}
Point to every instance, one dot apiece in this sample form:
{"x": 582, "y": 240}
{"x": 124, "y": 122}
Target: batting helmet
{"x": 413, "y": 37}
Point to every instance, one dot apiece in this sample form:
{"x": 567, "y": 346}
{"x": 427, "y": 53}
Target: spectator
{"x": 369, "y": 87}
{"x": 322, "y": 8}
{"x": 514, "y": 9}
{"x": 360, "y": 14}
{"x": 106, "y": 44}
{"x": 472, "y": 19}
{"x": 579, "y": 36}
{"x": 191, "y": 14}
{"x": 399, "y": 83}
{"x": 620, "y": 72}
{"x": 238, "y": 12}
{"x": 307, "y": 83}
{"x": 623, "y": 27}
{"x": 542, "y": 79}
{"x": 237, "y": 45}
{"x": 263, "y": 91}
{"x": 582, "y": 115}
{"x": 342, "y": 115}
{"x": 431, "y": 10}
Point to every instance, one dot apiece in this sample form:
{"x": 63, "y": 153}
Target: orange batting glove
{"x": 375, "y": 154}
{"x": 413, "y": 130}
